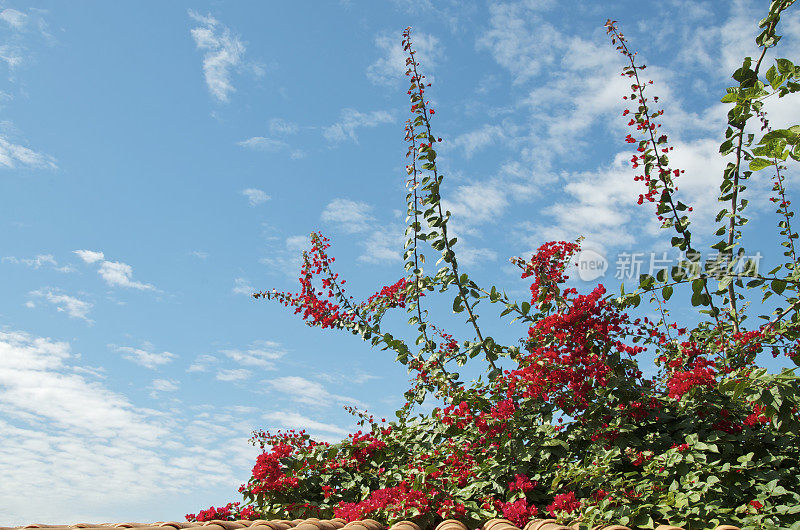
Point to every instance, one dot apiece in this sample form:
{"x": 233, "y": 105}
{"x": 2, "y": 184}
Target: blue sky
{"x": 159, "y": 163}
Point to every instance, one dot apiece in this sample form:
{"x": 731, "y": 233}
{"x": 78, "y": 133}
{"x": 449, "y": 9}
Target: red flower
{"x": 519, "y": 512}
{"x": 564, "y": 502}
{"x": 522, "y": 483}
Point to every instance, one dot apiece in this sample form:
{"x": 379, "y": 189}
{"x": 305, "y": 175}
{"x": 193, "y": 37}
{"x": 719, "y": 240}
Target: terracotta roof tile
{"x": 330, "y": 524}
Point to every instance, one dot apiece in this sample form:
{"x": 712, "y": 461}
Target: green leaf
{"x": 785, "y": 66}
{"x": 666, "y": 292}
{"x": 757, "y": 164}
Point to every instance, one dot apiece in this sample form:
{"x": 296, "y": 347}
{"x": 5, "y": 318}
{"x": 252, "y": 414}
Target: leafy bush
{"x": 571, "y": 429}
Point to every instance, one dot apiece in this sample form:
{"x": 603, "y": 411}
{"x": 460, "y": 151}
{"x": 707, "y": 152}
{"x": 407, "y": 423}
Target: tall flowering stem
{"x": 413, "y": 212}
{"x": 661, "y": 188}
{"x": 435, "y": 216}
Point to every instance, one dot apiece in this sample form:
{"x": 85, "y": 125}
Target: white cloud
{"x": 94, "y": 371}
{"x": 115, "y": 273}
{"x": 339, "y": 378}
{"x": 57, "y": 419}
{"x": 201, "y": 363}
{"x": 473, "y": 141}
{"x": 287, "y": 257}
{"x": 120, "y": 274}
{"x": 13, "y": 18}
{"x": 382, "y": 244}
{"x": 519, "y": 39}
{"x": 260, "y": 143}
{"x": 13, "y": 58}
{"x": 74, "y": 307}
{"x": 233, "y": 374}
{"x": 255, "y": 196}
{"x": 477, "y": 203}
{"x": 242, "y": 286}
{"x": 351, "y": 120}
{"x": 474, "y": 256}
{"x": 281, "y": 127}
{"x": 599, "y": 205}
{"x": 90, "y": 256}
{"x": 200, "y": 254}
{"x": 293, "y": 420}
{"x": 308, "y": 392}
{"x": 37, "y": 262}
{"x": 351, "y": 216}
{"x": 223, "y": 52}
{"x": 260, "y": 353}
{"x": 14, "y": 155}
{"x": 391, "y": 66}
{"x": 147, "y": 358}
{"x": 162, "y": 385}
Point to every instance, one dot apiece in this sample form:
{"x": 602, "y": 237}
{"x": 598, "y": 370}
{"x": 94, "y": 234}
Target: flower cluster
{"x": 519, "y": 512}
{"x": 700, "y": 372}
{"x": 393, "y": 503}
{"x": 569, "y": 352}
{"x": 229, "y": 512}
{"x": 547, "y": 267}
{"x": 564, "y": 502}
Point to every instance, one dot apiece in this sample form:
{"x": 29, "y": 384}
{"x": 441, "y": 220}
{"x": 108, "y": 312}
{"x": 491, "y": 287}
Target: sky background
{"x": 160, "y": 162}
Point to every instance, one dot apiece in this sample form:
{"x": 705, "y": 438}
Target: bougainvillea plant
{"x": 565, "y": 425}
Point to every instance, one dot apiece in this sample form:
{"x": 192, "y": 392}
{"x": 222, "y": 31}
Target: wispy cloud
{"x": 72, "y": 306}
{"x": 473, "y": 141}
{"x": 601, "y": 204}
{"x": 255, "y": 196}
{"x": 233, "y": 374}
{"x": 391, "y": 66}
{"x": 310, "y": 393}
{"x": 12, "y": 57}
{"x": 201, "y": 363}
{"x": 223, "y": 52}
{"x": 242, "y": 286}
{"x": 351, "y": 120}
{"x": 339, "y": 378}
{"x": 281, "y": 127}
{"x": 58, "y": 418}
{"x": 37, "y": 262}
{"x": 519, "y": 39}
{"x": 261, "y": 143}
{"x": 260, "y": 353}
{"x": 285, "y": 256}
{"x": 350, "y": 216}
{"x": 475, "y": 256}
{"x": 34, "y": 263}
{"x": 293, "y": 420}
{"x": 114, "y": 273}
{"x": 382, "y": 244}
{"x": 14, "y": 155}
{"x": 162, "y": 385}
{"x": 278, "y": 128}
{"x": 12, "y": 17}
{"x": 144, "y": 357}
